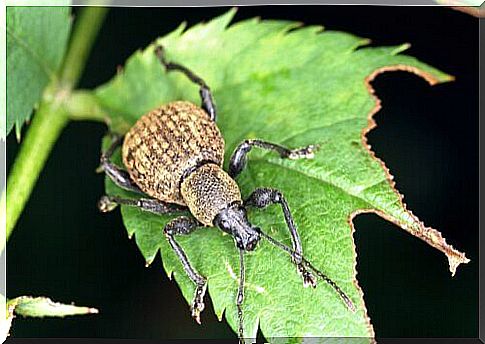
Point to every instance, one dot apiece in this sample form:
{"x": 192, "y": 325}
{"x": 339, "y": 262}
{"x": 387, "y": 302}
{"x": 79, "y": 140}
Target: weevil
{"x": 174, "y": 155}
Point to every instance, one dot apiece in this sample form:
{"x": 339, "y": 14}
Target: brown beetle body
{"x": 171, "y": 143}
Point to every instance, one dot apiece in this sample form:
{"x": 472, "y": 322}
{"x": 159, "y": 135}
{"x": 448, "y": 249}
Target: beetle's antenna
{"x": 324, "y": 277}
{"x": 240, "y": 295}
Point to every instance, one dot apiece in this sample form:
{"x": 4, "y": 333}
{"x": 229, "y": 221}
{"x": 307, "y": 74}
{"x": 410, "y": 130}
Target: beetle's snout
{"x": 251, "y": 245}
{"x": 247, "y": 239}
{"x": 233, "y": 220}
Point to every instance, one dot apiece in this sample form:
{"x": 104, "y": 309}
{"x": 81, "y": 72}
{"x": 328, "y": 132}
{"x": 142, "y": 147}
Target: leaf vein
{"x": 23, "y": 44}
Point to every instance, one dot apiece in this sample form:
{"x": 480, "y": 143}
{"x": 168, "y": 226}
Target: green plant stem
{"x": 83, "y": 105}
{"x": 84, "y": 34}
{"x": 49, "y": 120}
{"x": 46, "y": 127}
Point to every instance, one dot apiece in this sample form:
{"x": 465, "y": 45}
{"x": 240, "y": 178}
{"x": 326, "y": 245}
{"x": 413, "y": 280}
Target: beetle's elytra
{"x": 167, "y": 142}
{"x": 174, "y": 155}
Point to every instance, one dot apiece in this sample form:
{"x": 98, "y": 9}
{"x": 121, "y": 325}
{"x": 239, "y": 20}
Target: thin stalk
{"x": 83, "y": 106}
{"x": 84, "y": 34}
{"x": 44, "y": 131}
{"x": 50, "y": 119}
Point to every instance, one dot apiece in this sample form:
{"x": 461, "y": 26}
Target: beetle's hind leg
{"x": 108, "y": 203}
{"x": 204, "y": 91}
{"x": 119, "y": 176}
{"x": 179, "y": 226}
{"x": 182, "y": 226}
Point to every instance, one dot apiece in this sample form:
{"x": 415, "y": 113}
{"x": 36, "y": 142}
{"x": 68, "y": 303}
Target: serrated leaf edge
{"x": 429, "y": 235}
{"x": 371, "y": 124}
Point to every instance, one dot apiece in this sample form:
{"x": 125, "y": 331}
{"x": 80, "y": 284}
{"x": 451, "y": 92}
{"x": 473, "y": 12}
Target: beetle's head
{"x": 234, "y": 220}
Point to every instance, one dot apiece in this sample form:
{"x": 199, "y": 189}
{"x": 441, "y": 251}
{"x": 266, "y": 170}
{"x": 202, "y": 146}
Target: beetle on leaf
{"x": 174, "y": 154}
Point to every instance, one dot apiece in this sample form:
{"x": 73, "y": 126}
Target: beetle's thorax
{"x": 209, "y": 190}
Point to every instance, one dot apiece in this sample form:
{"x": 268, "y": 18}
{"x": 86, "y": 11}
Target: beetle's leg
{"x": 240, "y": 296}
{"x": 185, "y": 225}
{"x": 205, "y": 93}
{"x": 261, "y": 198}
{"x": 239, "y": 157}
{"x": 348, "y": 302}
{"x": 119, "y": 176}
{"x": 108, "y": 203}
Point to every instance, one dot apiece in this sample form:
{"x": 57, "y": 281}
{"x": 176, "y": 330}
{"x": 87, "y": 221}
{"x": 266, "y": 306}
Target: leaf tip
{"x": 364, "y": 42}
{"x": 92, "y": 310}
{"x": 401, "y": 48}
{"x": 448, "y": 77}
{"x": 220, "y": 314}
{"x": 226, "y": 18}
{"x": 181, "y": 28}
{"x": 18, "y": 131}
{"x": 455, "y": 260}
{"x": 232, "y": 12}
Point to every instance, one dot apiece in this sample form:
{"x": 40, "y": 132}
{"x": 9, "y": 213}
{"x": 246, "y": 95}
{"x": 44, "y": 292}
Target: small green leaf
{"x": 39, "y": 307}
{"x": 36, "y": 41}
{"x": 293, "y": 86}
{"x": 5, "y": 320}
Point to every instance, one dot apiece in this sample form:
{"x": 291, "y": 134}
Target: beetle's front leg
{"x": 261, "y": 198}
{"x": 180, "y": 225}
{"x": 185, "y": 225}
{"x": 239, "y": 157}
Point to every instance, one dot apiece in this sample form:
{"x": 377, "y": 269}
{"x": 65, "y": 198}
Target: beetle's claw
{"x": 196, "y": 313}
{"x": 198, "y": 303}
{"x": 308, "y": 278}
{"x": 303, "y": 153}
{"x": 197, "y": 308}
{"x": 106, "y": 204}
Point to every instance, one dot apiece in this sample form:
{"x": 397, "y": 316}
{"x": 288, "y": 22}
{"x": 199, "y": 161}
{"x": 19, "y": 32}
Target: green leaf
{"x": 36, "y": 42}
{"x": 30, "y": 306}
{"x": 41, "y": 306}
{"x": 5, "y": 320}
{"x": 293, "y": 86}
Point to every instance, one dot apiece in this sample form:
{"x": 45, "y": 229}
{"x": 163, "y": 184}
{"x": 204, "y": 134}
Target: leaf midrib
{"x": 327, "y": 182}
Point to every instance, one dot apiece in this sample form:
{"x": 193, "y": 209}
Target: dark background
{"x": 427, "y": 136}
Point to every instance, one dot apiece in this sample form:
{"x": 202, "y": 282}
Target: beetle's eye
{"x": 227, "y": 227}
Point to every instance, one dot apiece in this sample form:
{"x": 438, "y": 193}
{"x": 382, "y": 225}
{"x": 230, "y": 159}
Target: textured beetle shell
{"x": 165, "y": 143}
{"x": 208, "y": 191}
